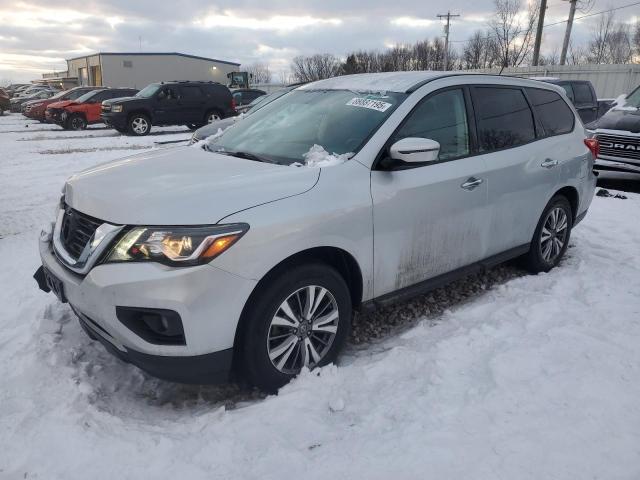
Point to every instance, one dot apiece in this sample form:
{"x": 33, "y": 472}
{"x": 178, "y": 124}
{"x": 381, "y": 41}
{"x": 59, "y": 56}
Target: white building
{"x": 137, "y": 70}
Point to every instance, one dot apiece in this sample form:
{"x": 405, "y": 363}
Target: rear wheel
{"x": 551, "y": 238}
{"x": 139, "y": 124}
{"x": 212, "y": 116}
{"x": 299, "y": 319}
{"x": 76, "y": 122}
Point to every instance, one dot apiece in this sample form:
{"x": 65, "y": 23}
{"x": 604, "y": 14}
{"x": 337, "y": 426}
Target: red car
{"x": 36, "y": 110}
{"x": 85, "y": 110}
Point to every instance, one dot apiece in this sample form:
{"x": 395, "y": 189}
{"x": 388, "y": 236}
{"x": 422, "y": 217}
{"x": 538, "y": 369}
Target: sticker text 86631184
{"x": 369, "y": 103}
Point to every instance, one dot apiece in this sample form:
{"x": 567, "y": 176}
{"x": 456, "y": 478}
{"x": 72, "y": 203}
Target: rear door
{"x": 430, "y": 219}
{"x": 585, "y": 101}
{"x": 192, "y": 100}
{"x": 521, "y": 170}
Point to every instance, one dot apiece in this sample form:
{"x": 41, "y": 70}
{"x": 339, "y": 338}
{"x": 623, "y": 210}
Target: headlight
{"x": 116, "y": 108}
{"x": 176, "y": 246}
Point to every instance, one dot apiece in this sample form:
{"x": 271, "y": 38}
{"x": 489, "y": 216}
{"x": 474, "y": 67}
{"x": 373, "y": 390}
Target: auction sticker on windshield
{"x": 377, "y": 105}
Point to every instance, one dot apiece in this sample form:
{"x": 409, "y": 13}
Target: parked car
{"x": 11, "y": 89}
{"x": 36, "y": 109}
{"x": 222, "y": 124}
{"x": 244, "y": 96}
{"x": 86, "y": 109}
{"x": 618, "y": 133}
{"x": 253, "y": 254}
{"x": 5, "y": 102}
{"x": 16, "y": 102}
{"x": 34, "y": 89}
{"x": 169, "y": 103}
{"x": 582, "y": 95}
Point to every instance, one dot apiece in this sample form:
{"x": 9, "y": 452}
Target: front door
{"x": 430, "y": 219}
{"x": 166, "y": 109}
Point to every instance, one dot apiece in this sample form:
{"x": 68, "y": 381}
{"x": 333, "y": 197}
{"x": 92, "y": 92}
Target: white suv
{"x": 251, "y": 251}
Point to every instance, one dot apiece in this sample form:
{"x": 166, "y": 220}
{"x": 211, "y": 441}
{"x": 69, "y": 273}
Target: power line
{"x": 565, "y": 21}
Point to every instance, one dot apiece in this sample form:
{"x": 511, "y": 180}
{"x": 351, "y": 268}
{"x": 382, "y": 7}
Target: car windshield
{"x": 86, "y": 96}
{"x": 148, "y": 91}
{"x": 285, "y": 130}
{"x": 265, "y": 99}
{"x": 633, "y": 100}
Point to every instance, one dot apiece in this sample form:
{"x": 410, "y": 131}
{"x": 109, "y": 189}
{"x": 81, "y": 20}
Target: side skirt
{"x": 425, "y": 286}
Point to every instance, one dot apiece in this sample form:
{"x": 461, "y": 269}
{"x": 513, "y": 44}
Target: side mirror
{"x": 415, "y": 150}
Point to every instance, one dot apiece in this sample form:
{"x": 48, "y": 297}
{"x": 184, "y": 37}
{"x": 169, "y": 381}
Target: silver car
{"x": 251, "y": 255}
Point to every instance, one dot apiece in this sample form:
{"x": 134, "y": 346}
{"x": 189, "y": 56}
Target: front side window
{"x": 88, "y": 96}
{"x": 503, "y": 117}
{"x": 286, "y": 129}
{"x": 569, "y": 91}
{"x": 554, "y": 114}
{"x": 441, "y": 117}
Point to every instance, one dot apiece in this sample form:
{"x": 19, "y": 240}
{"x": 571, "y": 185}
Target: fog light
{"x": 154, "y": 325}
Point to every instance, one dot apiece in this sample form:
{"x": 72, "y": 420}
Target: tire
{"x": 212, "y": 116}
{"x": 75, "y": 122}
{"x": 272, "y": 354}
{"x": 542, "y": 255}
{"x": 139, "y": 125}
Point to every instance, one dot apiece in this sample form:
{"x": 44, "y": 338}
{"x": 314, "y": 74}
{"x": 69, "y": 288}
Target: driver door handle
{"x": 548, "y": 163}
{"x": 471, "y": 183}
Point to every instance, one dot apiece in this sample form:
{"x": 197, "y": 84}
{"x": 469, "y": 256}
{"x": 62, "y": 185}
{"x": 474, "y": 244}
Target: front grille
{"x": 76, "y": 230}
{"x": 619, "y": 146}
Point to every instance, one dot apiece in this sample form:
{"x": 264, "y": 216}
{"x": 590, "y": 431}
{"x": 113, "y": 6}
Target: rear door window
{"x": 554, "y": 114}
{"x": 441, "y": 117}
{"x": 582, "y": 94}
{"x": 503, "y": 117}
{"x": 191, "y": 92}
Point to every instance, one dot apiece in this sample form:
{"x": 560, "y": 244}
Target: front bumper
{"x": 208, "y": 300}
{"x": 117, "y": 120}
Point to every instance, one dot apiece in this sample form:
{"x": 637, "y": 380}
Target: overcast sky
{"x": 37, "y": 36}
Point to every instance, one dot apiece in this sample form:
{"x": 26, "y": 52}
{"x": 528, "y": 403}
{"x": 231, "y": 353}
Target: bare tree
{"x": 481, "y": 51}
{"x": 577, "y": 55}
{"x": 315, "y": 67}
{"x": 552, "y": 58}
{"x": 636, "y": 40}
{"x": 513, "y": 30}
{"x": 259, "y": 72}
{"x": 610, "y": 41}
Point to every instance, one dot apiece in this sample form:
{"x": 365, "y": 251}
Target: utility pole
{"x": 536, "y": 47}
{"x": 567, "y": 33}
{"x": 448, "y": 16}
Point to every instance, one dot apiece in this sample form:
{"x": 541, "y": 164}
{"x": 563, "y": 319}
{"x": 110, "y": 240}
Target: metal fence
{"x": 608, "y": 80}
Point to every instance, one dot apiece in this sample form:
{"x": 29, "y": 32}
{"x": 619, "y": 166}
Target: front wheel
{"x": 139, "y": 125}
{"x": 76, "y": 122}
{"x": 300, "y": 319}
{"x": 551, "y": 238}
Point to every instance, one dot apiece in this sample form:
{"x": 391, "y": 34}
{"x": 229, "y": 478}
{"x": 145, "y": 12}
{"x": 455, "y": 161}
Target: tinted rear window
{"x": 553, "y": 112}
{"x": 582, "y": 93}
{"x": 503, "y": 116}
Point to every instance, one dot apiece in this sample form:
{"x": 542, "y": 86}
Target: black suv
{"x": 582, "y": 95}
{"x": 193, "y": 104}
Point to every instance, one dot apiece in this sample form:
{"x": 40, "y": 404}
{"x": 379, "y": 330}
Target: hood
{"x": 181, "y": 186}
{"x": 620, "y": 119}
{"x": 213, "y": 127}
{"x": 60, "y": 104}
{"x": 119, "y": 100}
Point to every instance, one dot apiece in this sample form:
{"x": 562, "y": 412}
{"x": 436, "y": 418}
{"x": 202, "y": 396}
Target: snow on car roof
{"x": 386, "y": 81}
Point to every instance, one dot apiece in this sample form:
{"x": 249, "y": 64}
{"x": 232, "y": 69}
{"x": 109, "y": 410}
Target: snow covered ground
{"x": 526, "y": 377}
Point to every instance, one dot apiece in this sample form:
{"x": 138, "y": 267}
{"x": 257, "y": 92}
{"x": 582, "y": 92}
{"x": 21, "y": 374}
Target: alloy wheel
{"x": 554, "y": 234}
{"x": 213, "y": 117}
{"x": 140, "y": 125}
{"x": 303, "y": 329}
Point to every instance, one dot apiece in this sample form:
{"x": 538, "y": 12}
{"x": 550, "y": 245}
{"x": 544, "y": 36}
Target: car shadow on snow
{"x": 110, "y": 384}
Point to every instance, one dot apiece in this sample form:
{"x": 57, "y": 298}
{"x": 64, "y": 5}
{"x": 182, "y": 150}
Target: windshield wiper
{"x": 245, "y": 155}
